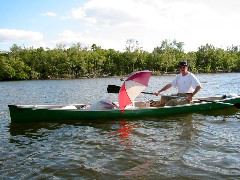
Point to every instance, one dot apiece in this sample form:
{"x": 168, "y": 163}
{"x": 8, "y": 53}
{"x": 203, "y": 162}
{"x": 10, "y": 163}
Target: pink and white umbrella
{"x": 132, "y": 87}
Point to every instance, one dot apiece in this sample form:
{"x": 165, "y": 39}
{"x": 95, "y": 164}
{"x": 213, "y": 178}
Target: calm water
{"x": 193, "y": 146}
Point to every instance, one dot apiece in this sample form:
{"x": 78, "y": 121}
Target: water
{"x": 193, "y": 146}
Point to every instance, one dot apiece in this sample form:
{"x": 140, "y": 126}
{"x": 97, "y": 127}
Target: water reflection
{"x": 123, "y": 130}
{"x": 30, "y": 129}
{"x": 213, "y": 149}
{"x": 196, "y": 146}
{"x": 166, "y": 147}
{"x": 155, "y": 143}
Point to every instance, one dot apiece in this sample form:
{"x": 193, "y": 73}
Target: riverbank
{"x": 120, "y": 77}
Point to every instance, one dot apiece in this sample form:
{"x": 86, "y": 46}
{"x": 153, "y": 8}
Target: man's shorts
{"x": 172, "y": 100}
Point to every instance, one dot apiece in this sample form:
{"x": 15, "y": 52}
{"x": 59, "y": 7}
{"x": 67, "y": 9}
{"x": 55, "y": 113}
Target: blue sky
{"x": 110, "y": 23}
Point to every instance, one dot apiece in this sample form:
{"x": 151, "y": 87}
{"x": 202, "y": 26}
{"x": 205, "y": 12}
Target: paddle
{"x": 116, "y": 89}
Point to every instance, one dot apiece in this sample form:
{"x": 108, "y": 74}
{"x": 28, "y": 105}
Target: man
{"x": 186, "y": 83}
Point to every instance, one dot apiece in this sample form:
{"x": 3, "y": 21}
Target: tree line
{"x": 81, "y": 62}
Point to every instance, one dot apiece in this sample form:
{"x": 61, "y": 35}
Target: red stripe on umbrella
{"x": 132, "y": 87}
{"x": 124, "y": 99}
{"x": 141, "y": 77}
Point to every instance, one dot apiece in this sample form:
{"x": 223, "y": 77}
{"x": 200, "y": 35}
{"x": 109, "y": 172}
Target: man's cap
{"x": 183, "y": 63}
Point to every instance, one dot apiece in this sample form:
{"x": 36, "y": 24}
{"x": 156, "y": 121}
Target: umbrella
{"x": 132, "y": 87}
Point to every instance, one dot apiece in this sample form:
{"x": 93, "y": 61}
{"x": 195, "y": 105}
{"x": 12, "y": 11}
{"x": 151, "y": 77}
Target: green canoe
{"x": 40, "y": 113}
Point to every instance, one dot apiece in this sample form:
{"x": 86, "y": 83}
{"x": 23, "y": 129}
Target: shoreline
{"x": 120, "y": 77}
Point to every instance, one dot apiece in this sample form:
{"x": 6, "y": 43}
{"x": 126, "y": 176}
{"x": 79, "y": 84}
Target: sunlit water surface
{"x": 191, "y": 146}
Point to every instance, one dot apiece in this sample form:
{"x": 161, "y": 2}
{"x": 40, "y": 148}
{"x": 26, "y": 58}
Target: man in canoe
{"x": 187, "y": 85}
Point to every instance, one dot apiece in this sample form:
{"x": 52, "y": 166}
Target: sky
{"x": 110, "y": 23}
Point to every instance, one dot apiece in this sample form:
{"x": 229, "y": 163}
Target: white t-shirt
{"x": 185, "y": 84}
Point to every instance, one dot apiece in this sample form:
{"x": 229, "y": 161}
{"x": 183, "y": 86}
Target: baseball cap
{"x": 183, "y": 63}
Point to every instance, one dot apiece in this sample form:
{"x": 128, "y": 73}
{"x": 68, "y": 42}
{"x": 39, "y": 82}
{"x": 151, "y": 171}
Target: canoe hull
{"x": 22, "y": 113}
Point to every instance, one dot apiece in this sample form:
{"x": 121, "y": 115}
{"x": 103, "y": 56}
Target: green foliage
{"x": 168, "y": 55}
{"x": 6, "y": 71}
{"x": 77, "y": 62}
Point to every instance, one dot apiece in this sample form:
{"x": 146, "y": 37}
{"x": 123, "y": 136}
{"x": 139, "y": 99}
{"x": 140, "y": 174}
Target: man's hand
{"x": 189, "y": 97}
{"x": 156, "y": 93}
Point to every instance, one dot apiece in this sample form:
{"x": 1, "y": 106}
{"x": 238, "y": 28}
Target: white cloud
{"x": 8, "y": 37}
{"x": 68, "y": 37}
{"x": 50, "y": 14}
{"x": 110, "y": 24}
{"x": 16, "y": 35}
{"x": 150, "y": 21}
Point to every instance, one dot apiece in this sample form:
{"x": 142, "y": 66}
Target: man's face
{"x": 183, "y": 69}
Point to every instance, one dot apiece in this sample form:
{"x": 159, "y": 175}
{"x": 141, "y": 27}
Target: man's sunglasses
{"x": 182, "y": 67}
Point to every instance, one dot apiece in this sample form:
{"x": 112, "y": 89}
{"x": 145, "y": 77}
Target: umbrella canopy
{"x": 132, "y": 87}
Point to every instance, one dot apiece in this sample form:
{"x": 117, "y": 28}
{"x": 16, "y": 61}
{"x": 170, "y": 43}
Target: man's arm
{"x": 163, "y": 89}
{"x": 196, "y": 90}
{"x": 189, "y": 97}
